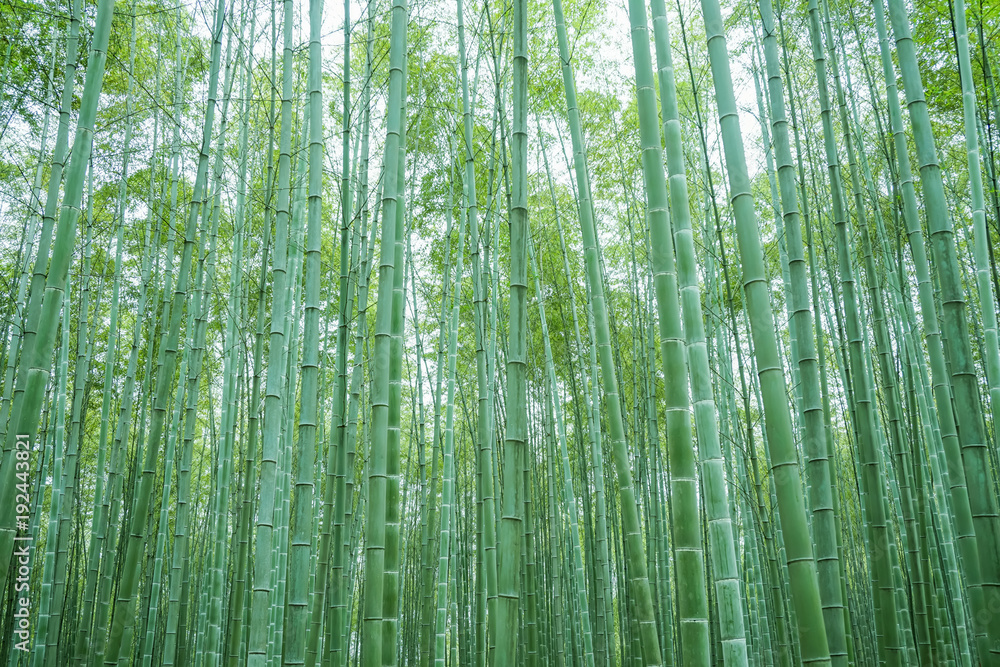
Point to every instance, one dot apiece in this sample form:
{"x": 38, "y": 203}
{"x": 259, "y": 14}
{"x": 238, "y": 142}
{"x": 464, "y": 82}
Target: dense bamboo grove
{"x": 423, "y": 332}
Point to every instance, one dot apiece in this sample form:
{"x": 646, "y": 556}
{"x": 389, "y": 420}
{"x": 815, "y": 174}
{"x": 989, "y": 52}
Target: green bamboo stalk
{"x": 39, "y": 271}
{"x": 687, "y": 539}
{"x": 38, "y": 356}
{"x": 511, "y": 530}
{"x": 264, "y": 551}
{"x": 236, "y": 634}
{"x": 344, "y": 499}
{"x": 868, "y": 440}
{"x": 448, "y": 499}
{"x": 55, "y": 499}
{"x": 174, "y": 644}
{"x": 153, "y": 590}
{"x": 123, "y": 615}
{"x": 777, "y": 416}
{"x": 899, "y": 445}
{"x": 375, "y": 533}
{"x": 955, "y": 339}
{"x": 725, "y": 572}
{"x": 220, "y": 506}
{"x": 815, "y": 444}
{"x": 981, "y": 251}
{"x": 297, "y": 605}
{"x": 637, "y": 563}
{"x": 569, "y": 495}
{"x": 336, "y": 461}
{"x": 33, "y": 227}
{"x": 484, "y": 480}
{"x": 290, "y": 380}
{"x": 428, "y": 621}
{"x": 393, "y": 501}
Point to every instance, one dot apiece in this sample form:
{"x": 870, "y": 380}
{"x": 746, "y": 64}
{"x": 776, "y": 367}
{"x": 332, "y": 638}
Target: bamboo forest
{"x": 492, "y": 333}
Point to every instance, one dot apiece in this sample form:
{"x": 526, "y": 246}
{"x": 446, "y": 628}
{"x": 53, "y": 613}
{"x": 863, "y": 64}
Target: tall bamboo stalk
{"x": 777, "y": 416}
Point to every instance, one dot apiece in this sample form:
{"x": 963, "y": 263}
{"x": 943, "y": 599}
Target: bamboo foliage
{"x": 226, "y": 441}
